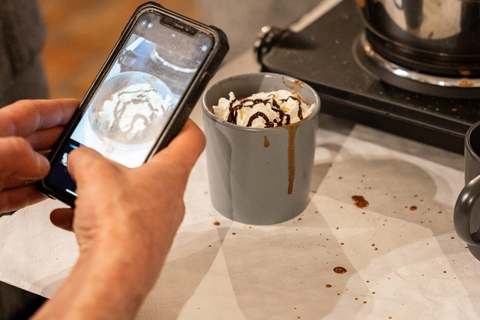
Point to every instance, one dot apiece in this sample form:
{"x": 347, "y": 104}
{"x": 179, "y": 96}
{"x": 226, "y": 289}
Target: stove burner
{"x": 402, "y": 77}
{"x": 348, "y": 83}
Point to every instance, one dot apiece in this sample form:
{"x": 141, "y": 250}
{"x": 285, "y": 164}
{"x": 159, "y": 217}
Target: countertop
{"x": 402, "y": 257}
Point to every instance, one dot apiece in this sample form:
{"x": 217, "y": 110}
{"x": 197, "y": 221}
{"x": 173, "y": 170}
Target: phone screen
{"x": 138, "y": 95}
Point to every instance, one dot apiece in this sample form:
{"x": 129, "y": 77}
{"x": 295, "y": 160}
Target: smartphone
{"x": 143, "y": 94}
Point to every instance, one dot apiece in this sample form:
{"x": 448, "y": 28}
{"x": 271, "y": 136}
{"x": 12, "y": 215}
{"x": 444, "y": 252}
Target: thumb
{"x": 81, "y": 160}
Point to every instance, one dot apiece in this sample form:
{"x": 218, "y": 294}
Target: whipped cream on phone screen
{"x": 264, "y": 109}
{"x": 131, "y": 111}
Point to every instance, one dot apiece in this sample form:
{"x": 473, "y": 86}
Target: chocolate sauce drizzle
{"x": 132, "y": 92}
{"x": 276, "y": 107}
{"x": 284, "y": 119}
{"x": 300, "y": 114}
{"x": 232, "y": 116}
{"x": 121, "y": 108}
{"x": 268, "y": 123}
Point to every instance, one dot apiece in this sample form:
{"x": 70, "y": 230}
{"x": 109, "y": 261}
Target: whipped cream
{"x": 264, "y": 109}
{"x": 129, "y": 113}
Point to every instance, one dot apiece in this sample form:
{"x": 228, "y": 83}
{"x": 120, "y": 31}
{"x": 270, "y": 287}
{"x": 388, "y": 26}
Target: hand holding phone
{"x": 143, "y": 94}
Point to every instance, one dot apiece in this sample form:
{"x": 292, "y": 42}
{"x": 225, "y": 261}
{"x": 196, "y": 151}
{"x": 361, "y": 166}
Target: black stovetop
{"x": 350, "y": 91}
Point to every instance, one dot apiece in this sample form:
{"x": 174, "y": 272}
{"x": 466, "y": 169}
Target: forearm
{"x": 108, "y": 281}
{"x": 125, "y": 221}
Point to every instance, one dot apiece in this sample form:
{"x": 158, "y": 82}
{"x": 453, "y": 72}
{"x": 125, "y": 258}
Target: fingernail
{"x": 42, "y": 162}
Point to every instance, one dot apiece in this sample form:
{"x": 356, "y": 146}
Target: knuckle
{"x": 8, "y": 118}
{"x": 20, "y": 102}
{"x": 17, "y": 145}
{"x": 178, "y": 171}
{"x": 16, "y": 104}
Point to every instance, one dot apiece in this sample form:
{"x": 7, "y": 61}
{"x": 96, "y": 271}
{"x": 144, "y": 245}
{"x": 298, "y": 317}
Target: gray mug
{"x": 467, "y": 209}
{"x": 259, "y": 175}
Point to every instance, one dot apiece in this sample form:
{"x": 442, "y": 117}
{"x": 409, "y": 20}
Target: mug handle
{"x": 463, "y": 211}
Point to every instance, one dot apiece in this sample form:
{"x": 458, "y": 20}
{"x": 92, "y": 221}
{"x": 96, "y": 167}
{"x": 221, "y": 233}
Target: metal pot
{"x": 435, "y": 36}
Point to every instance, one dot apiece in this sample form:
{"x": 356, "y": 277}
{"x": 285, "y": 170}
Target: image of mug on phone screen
{"x": 143, "y": 94}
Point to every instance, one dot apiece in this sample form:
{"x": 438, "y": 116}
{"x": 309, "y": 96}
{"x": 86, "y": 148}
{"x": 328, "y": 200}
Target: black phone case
{"x": 183, "y": 109}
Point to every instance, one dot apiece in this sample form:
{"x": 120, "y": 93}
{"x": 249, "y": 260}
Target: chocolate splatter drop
{"x": 340, "y": 270}
{"x": 216, "y": 223}
{"x": 465, "y": 83}
{"x": 360, "y": 201}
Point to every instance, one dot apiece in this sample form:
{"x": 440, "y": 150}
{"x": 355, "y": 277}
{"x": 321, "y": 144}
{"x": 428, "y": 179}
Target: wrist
{"x": 119, "y": 274}
{"x": 133, "y": 259}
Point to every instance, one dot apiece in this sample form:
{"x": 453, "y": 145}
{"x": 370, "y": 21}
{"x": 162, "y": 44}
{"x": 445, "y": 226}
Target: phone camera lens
{"x": 167, "y": 20}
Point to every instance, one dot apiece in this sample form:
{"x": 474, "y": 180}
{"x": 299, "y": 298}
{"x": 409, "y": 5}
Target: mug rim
{"x": 210, "y": 114}
{"x": 468, "y": 139}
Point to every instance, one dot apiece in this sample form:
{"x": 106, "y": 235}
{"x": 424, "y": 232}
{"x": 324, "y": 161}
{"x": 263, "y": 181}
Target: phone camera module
{"x": 167, "y": 20}
{"x": 178, "y": 25}
{"x": 144, "y": 23}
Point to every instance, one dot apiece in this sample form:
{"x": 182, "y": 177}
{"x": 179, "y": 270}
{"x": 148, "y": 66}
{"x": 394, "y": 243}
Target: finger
{"x": 15, "y": 199}
{"x": 19, "y": 159}
{"x": 27, "y": 116}
{"x": 62, "y": 218}
{"x": 44, "y": 139}
{"x": 12, "y": 182}
{"x": 81, "y": 160}
{"x": 185, "y": 148}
